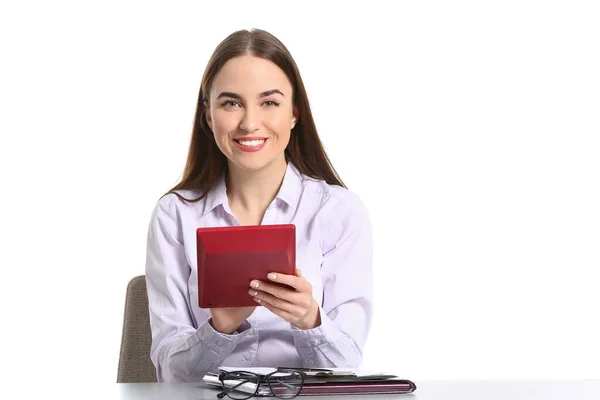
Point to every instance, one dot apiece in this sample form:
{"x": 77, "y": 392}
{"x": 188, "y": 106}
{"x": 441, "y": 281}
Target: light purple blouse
{"x": 334, "y": 252}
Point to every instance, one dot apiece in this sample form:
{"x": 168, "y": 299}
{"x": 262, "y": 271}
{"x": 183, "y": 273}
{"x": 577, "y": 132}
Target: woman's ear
{"x": 295, "y": 117}
{"x": 207, "y": 114}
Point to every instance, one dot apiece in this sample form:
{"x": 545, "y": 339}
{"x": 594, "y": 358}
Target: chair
{"x": 135, "y": 364}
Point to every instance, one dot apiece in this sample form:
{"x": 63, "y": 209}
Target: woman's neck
{"x": 250, "y": 192}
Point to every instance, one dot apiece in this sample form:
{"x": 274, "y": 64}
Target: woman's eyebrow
{"x": 270, "y": 92}
{"x": 229, "y": 94}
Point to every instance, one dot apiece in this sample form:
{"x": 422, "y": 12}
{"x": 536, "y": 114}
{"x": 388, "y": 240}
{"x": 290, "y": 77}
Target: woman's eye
{"x": 230, "y": 103}
{"x": 271, "y": 103}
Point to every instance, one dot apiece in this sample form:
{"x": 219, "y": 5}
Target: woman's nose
{"x": 249, "y": 122}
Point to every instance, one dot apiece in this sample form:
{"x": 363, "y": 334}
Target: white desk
{"x": 426, "y": 390}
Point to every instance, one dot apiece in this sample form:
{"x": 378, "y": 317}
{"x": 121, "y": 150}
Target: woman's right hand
{"x": 227, "y": 320}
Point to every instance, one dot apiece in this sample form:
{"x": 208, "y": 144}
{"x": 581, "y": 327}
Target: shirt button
{"x": 248, "y": 356}
{"x": 251, "y": 331}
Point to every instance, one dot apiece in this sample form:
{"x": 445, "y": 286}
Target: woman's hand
{"x": 227, "y": 320}
{"x": 294, "y": 303}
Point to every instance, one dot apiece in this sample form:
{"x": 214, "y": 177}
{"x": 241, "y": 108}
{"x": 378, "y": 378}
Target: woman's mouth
{"x": 250, "y": 144}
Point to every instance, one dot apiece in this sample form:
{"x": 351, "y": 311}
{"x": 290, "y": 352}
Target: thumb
{"x": 298, "y": 273}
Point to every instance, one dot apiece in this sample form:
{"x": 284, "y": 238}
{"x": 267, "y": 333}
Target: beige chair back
{"x": 134, "y": 360}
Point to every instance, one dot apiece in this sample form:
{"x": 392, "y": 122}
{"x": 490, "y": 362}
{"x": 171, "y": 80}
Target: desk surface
{"x": 426, "y": 390}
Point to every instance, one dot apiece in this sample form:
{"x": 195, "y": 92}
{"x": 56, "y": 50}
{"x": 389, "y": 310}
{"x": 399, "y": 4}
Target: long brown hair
{"x": 205, "y": 162}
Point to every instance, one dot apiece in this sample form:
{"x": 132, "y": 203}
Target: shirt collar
{"x": 291, "y": 187}
{"x": 289, "y": 192}
{"x": 217, "y": 195}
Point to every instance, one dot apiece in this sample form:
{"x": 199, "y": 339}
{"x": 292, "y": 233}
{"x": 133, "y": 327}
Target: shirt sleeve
{"x": 346, "y": 311}
{"x": 179, "y": 351}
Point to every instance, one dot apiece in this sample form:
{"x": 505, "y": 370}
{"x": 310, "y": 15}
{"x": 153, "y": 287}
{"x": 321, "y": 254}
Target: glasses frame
{"x": 260, "y": 379}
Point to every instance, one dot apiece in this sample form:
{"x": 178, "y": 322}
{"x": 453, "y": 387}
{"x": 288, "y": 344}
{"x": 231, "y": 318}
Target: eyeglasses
{"x": 284, "y": 383}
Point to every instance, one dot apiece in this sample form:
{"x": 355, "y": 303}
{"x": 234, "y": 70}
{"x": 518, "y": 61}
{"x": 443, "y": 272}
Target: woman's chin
{"x": 253, "y": 164}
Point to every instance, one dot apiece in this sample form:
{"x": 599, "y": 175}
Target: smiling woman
{"x": 250, "y": 73}
{"x": 255, "y": 158}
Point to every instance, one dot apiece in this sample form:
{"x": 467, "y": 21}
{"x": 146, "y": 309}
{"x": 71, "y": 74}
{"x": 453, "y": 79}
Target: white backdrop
{"x": 470, "y": 130}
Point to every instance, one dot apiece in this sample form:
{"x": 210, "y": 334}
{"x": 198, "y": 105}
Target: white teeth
{"x": 251, "y": 143}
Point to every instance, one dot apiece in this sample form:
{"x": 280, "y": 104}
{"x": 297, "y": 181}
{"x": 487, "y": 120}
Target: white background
{"x": 469, "y": 129}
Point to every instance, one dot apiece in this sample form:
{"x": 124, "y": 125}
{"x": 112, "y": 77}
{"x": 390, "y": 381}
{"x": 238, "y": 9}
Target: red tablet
{"x": 230, "y": 257}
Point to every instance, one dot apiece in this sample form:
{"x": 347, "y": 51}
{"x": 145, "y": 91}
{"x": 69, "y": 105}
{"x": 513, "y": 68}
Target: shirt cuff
{"x": 217, "y": 343}
{"x": 243, "y": 327}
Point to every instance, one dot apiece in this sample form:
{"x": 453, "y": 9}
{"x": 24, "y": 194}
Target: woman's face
{"x": 251, "y": 112}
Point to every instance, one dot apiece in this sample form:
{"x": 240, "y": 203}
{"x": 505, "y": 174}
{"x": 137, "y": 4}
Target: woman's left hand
{"x": 295, "y": 304}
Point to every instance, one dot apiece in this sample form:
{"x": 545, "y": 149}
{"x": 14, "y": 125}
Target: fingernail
{"x": 254, "y": 284}
{"x": 257, "y": 300}
{"x": 272, "y": 276}
{"x": 252, "y": 292}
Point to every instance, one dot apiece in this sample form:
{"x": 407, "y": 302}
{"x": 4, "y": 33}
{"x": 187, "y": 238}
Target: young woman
{"x": 255, "y": 158}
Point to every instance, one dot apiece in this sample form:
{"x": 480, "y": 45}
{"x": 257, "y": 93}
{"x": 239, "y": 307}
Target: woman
{"x": 255, "y": 158}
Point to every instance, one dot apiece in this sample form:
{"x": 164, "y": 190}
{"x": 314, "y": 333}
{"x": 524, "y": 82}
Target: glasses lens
{"x": 286, "y": 384}
{"x": 240, "y": 385}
